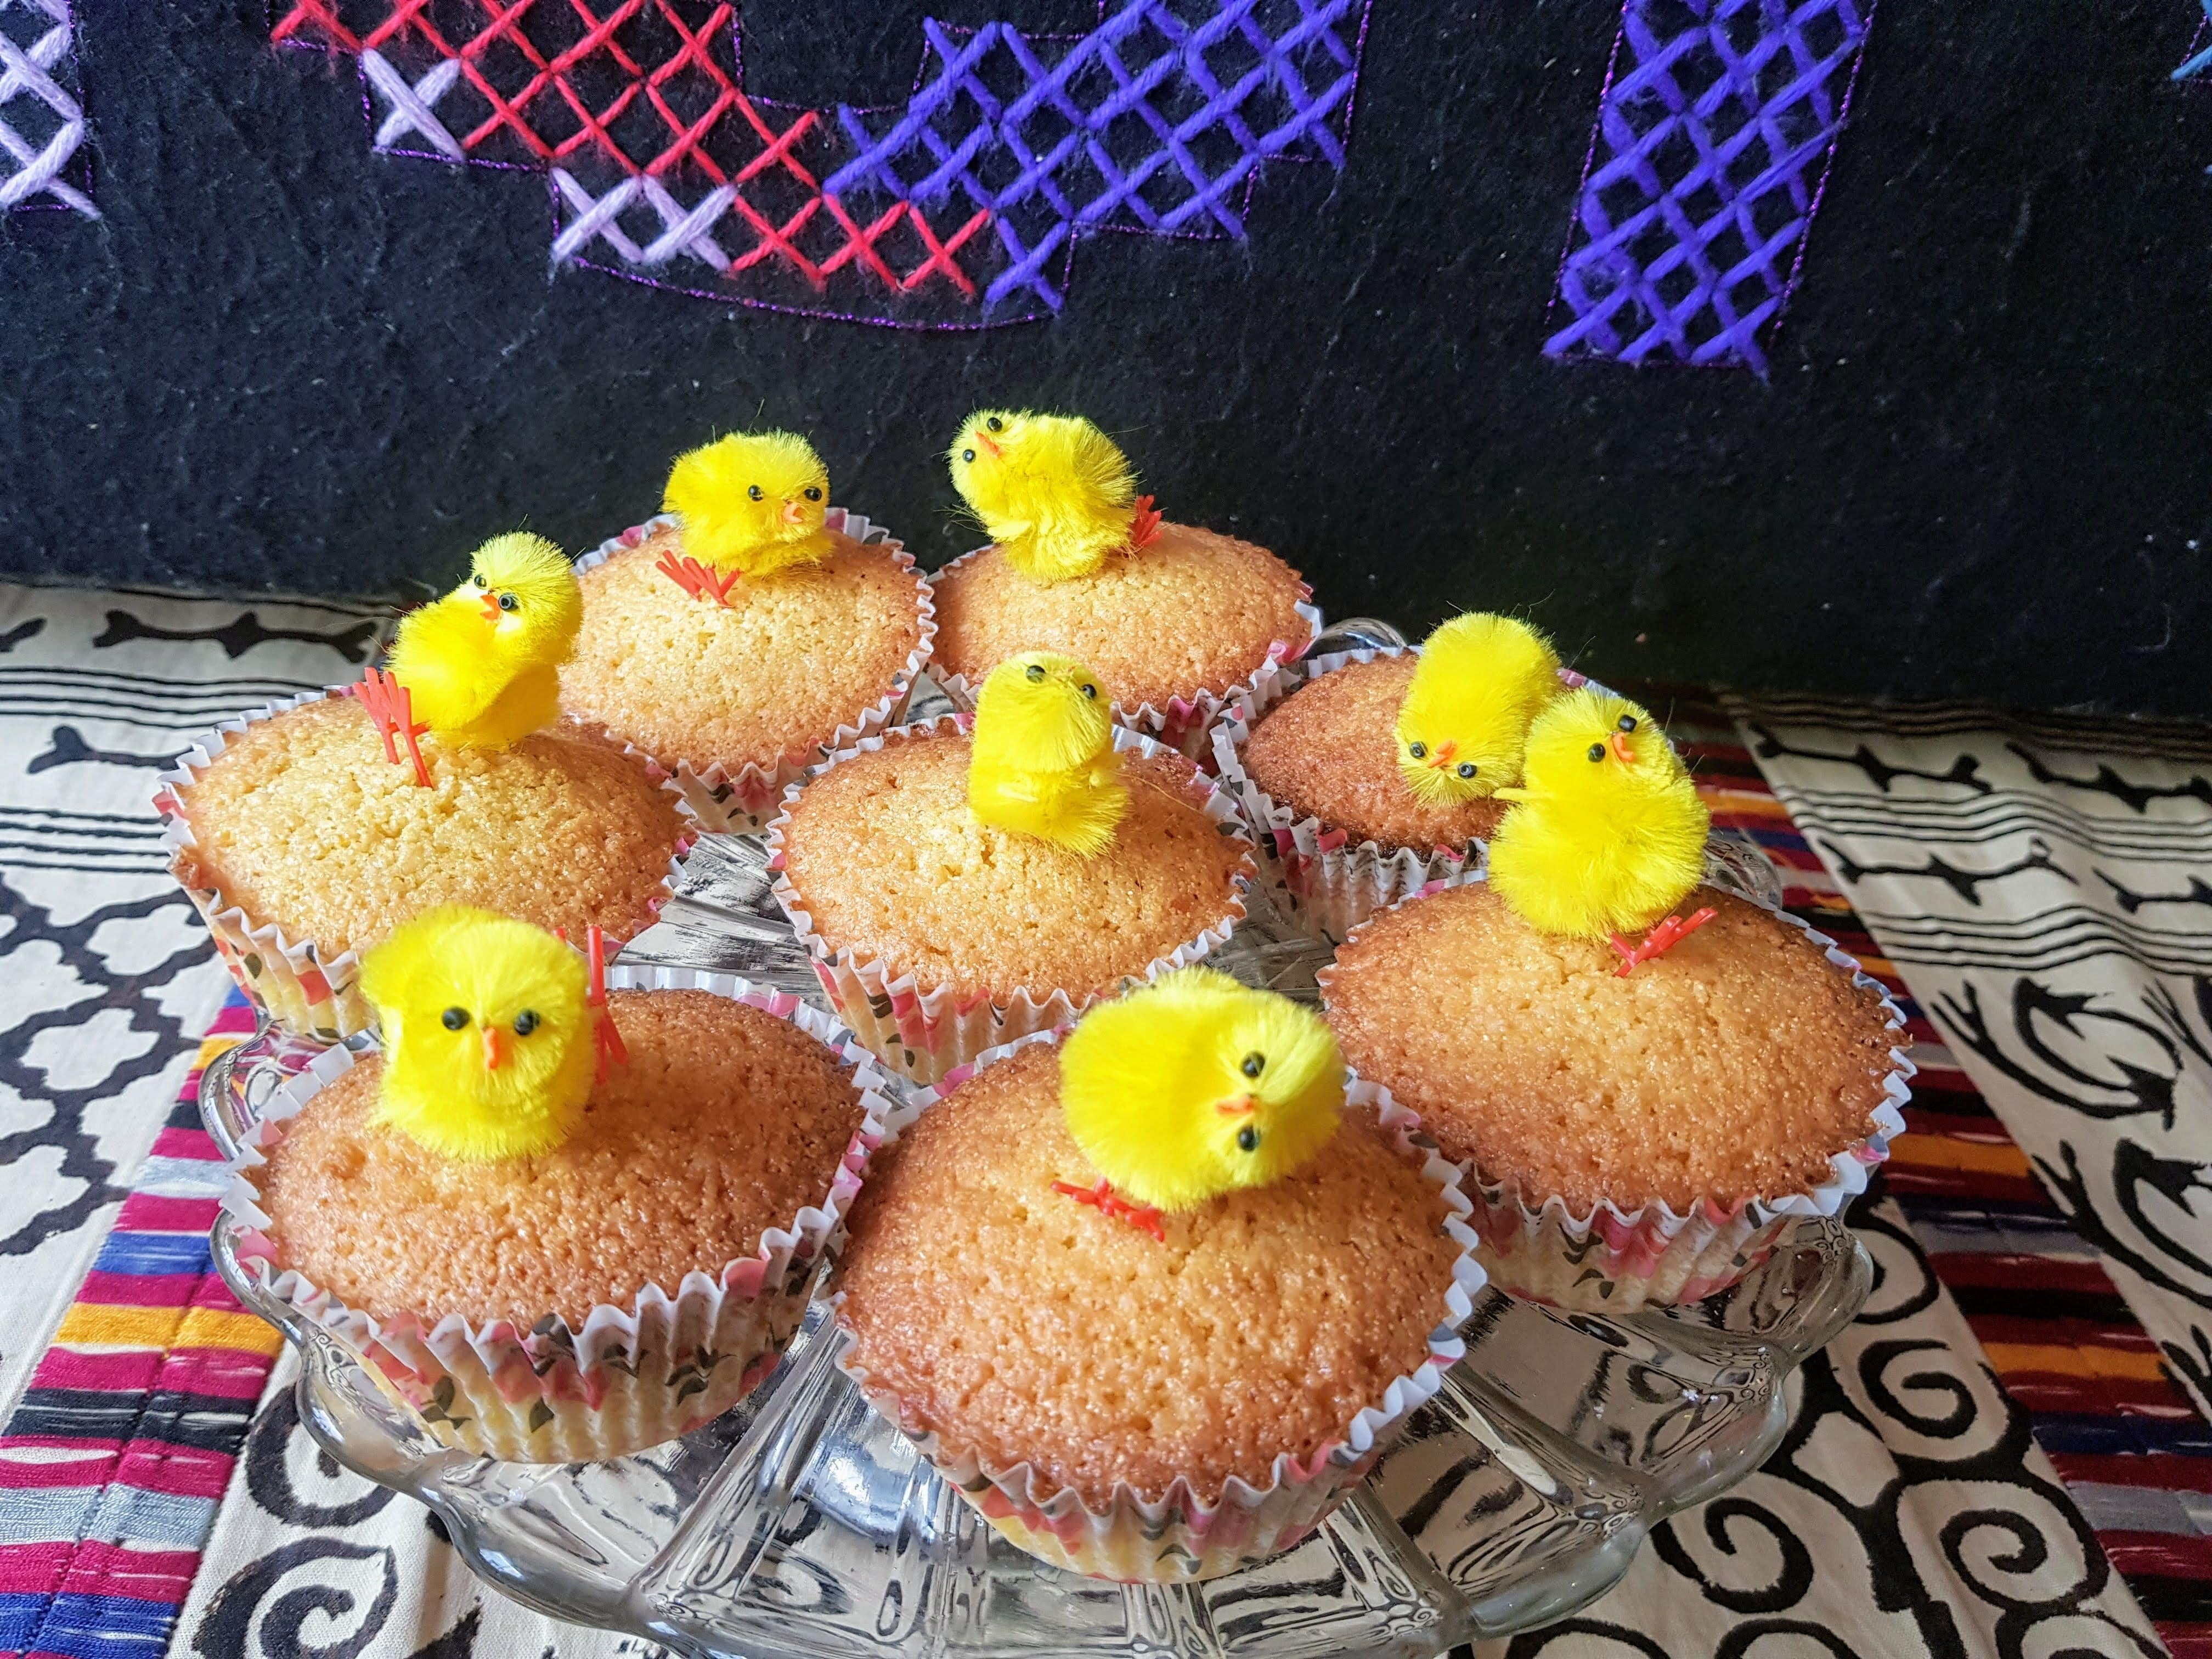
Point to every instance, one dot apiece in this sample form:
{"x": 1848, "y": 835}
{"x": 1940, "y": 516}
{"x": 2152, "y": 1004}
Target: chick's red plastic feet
{"x": 393, "y": 710}
{"x": 1660, "y": 940}
{"x": 1146, "y": 524}
{"x": 694, "y": 579}
{"x": 1107, "y": 1201}
{"x": 607, "y": 1040}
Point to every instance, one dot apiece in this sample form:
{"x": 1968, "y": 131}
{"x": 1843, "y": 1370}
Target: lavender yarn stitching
{"x": 42, "y": 124}
{"x": 1715, "y": 132}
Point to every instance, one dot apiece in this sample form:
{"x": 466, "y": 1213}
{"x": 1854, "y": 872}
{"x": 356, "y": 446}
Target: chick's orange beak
{"x": 1442, "y": 757}
{"x": 983, "y": 441}
{"x": 794, "y": 513}
{"x": 1621, "y": 752}
{"x": 494, "y": 1048}
{"x": 490, "y": 605}
{"x": 1242, "y": 1106}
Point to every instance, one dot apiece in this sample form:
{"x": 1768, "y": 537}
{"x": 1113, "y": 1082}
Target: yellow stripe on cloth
{"x": 2052, "y": 1359}
{"x": 1927, "y": 1151}
{"x": 88, "y": 1325}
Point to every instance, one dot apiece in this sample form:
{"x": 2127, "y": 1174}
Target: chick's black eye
{"x": 813, "y": 493}
{"x": 1597, "y": 752}
{"x": 1036, "y": 673}
{"x": 1254, "y": 1064}
{"x": 479, "y": 581}
{"x": 526, "y": 1021}
{"x": 508, "y": 602}
{"x": 995, "y": 424}
{"x": 1467, "y": 768}
{"x": 1092, "y": 692}
{"x": 754, "y": 491}
{"x": 1628, "y": 722}
{"x": 1418, "y": 751}
{"x": 1248, "y": 1139}
{"x": 455, "y": 1018}
{"x": 967, "y": 454}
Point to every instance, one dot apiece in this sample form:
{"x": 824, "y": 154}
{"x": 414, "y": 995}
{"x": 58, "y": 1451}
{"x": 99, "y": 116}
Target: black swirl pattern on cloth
{"x": 2054, "y": 920}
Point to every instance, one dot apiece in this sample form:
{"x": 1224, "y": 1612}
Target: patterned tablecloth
{"x": 2000, "y": 1457}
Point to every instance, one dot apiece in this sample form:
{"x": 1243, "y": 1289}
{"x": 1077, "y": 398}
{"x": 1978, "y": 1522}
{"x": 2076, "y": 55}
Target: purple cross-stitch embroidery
{"x": 1715, "y": 130}
{"x": 42, "y": 127}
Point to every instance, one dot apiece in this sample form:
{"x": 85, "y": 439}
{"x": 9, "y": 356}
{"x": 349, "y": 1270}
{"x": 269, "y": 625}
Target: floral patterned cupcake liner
{"x": 1320, "y": 878}
{"x": 922, "y": 1035}
{"x": 629, "y": 1376}
{"x": 288, "y": 978}
{"x": 1181, "y": 1536}
{"x": 741, "y": 802}
{"x": 1185, "y": 722}
{"x": 1608, "y": 1259}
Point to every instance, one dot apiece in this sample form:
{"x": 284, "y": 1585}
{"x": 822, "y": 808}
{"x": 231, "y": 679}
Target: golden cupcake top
{"x": 1192, "y": 612}
{"x": 886, "y": 856}
{"x": 1734, "y": 1066}
{"x": 1054, "y": 494}
{"x": 726, "y": 1122}
{"x": 1040, "y": 758}
{"x": 302, "y": 822}
{"x": 1025, "y": 1327}
{"x": 770, "y": 673}
{"x": 752, "y": 504}
{"x": 1329, "y": 751}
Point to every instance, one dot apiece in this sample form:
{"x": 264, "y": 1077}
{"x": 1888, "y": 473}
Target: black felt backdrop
{"x": 1979, "y": 467}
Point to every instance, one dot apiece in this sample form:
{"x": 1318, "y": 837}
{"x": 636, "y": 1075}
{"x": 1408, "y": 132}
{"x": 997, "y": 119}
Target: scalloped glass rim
{"x": 801, "y": 1526}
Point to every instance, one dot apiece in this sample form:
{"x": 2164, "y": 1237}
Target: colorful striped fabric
{"x": 119, "y": 1451}
{"x": 2134, "y": 1454}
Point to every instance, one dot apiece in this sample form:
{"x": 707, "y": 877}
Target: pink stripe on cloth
{"x": 113, "y": 1289}
{"x": 187, "y": 1144}
{"x": 93, "y": 1568}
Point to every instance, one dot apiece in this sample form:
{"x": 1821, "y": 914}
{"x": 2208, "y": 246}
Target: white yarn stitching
{"x": 410, "y": 106}
{"x": 26, "y": 74}
{"x": 684, "y": 230}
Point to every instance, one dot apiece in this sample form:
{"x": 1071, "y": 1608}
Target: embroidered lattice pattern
{"x": 962, "y": 208}
{"x": 42, "y": 127}
{"x": 1714, "y": 135}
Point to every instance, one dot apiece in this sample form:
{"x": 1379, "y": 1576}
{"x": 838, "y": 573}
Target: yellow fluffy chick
{"x": 1461, "y": 729}
{"x": 481, "y": 665}
{"x": 752, "y": 503}
{"x": 1606, "y": 834}
{"x": 1043, "y": 761}
{"x": 1196, "y": 1085}
{"x": 488, "y": 1035}
{"x": 1053, "y": 491}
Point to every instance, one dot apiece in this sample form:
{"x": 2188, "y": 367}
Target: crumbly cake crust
{"x": 1733, "y": 1067}
{"x": 727, "y": 1121}
{"x": 885, "y": 858}
{"x": 794, "y": 657}
{"x": 1019, "y": 1324}
{"x": 1191, "y": 612}
{"x": 301, "y": 822}
{"x": 1329, "y": 751}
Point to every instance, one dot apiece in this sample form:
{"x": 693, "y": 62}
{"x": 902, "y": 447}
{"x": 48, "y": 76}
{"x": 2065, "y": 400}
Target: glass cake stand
{"x": 800, "y": 1526}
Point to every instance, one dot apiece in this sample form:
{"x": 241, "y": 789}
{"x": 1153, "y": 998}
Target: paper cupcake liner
{"x": 922, "y": 1035}
{"x": 631, "y": 1377}
{"x": 1185, "y": 722}
{"x": 1322, "y": 881}
{"x": 1608, "y": 1259}
{"x": 1181, "y": 1536}
{"x": 741, "y": 802}
{"x": 306, "y": 995}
